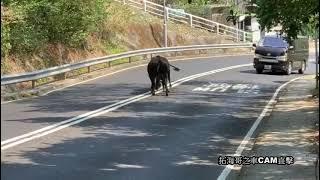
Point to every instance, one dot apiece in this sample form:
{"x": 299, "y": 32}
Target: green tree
{"x": 50, "y": 21}
{"x": 293, "y": 15}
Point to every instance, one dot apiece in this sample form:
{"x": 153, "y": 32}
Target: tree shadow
{"x": 293, "y": 135}
{"x": 175, "y": 137}
{"x": 84, "y": 98}
{"x": 265, "y": 72}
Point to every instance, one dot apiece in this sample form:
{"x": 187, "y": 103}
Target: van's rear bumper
{"x": 275, "y": 65}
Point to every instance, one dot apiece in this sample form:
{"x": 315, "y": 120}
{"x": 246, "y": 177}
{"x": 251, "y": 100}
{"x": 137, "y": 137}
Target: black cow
{"x": 159, "y": 70}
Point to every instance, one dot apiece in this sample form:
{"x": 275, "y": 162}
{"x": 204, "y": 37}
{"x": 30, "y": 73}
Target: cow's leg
{"x": 153, "y": 85}
{"x": 164, "y": 84}
{"x": 167, "y": 91}
{"x": 160, "y": 78}
{"x": 158, "y": 84}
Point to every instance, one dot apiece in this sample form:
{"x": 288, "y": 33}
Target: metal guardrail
{"x": 35, "y": 75}
{"x": 192, "y": 20}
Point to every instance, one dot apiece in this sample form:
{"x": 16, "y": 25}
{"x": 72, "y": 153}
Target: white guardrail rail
{"x": 192, "y": 20}
{"x": 63, "y": 69}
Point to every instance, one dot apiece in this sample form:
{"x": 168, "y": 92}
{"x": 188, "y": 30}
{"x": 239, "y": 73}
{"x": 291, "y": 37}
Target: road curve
{"x": 175, "y": 137}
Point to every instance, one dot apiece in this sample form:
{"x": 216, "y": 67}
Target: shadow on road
{"x": 175, "y": 137}
{"x": 290, "y": 131}
{"x": 278, "y": 73}
{"x": 86, "y": 98}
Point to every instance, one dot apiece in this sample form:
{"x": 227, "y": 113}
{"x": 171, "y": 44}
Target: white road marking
{"x": 254, "y": 89}
{"x": 205, "y": 88}
{"x": 115, "y": 72}
{"x": 241, "y": 87}
{"x": 67, "y": 121}
{"x": 224, "y": 174}
{"x": 223, "y": 87}
{"x": 61, "y": 125}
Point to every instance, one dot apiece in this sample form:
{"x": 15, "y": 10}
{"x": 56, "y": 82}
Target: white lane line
{"x": 66, "y": 123}
{"x": 224, "y": 174}
{"x": 115, "y": 72}
{"x": 68, "y": 120}
{"x": 101, "y": 109}
{"x": 109, "y": 106}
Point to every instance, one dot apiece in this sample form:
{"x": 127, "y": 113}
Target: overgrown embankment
{"x": 40, "y": 34}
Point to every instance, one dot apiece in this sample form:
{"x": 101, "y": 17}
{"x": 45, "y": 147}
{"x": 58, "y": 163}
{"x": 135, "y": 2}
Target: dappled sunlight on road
{"x": 193, "y": 160}
{"x": 283, "y": 138}
{"x": 296, "y": 105}
{"x": 130, "y": 166}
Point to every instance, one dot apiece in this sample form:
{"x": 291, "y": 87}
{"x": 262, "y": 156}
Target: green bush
{"x": 46, "y": 21}
{"x": 26, "y": 37}
{"x": 201, "y": 10}
{"x": 5, "y": 40}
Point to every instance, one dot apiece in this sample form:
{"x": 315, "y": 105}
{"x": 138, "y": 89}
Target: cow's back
{"x": 164, "y": 65}
{"x": 158, "y": 65}
{"x": 152, "y": 66}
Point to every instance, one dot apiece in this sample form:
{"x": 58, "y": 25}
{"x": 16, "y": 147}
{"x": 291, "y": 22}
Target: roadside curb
{"x": 256, "y": 147}
{"x": 235, "y": 174}
{"x": 236, "y": 171}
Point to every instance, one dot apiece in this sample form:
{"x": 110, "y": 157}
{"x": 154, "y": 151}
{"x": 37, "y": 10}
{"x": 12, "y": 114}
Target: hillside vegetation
{"x": 37, "y": 34}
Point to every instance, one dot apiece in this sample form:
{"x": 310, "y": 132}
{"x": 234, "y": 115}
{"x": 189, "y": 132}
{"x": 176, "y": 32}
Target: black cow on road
{"x": 159, "y": 70}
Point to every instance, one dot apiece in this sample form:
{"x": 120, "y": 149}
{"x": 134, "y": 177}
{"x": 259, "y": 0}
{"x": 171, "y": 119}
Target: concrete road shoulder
{"x": 292, "y": 129}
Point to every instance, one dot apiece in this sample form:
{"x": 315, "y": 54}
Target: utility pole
{"x": 165, "y": 30}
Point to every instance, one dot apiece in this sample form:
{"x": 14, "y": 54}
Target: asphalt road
{"x": 175, "y": 137}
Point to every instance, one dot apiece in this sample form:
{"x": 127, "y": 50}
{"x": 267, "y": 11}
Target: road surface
{"x": 176, "y": 137}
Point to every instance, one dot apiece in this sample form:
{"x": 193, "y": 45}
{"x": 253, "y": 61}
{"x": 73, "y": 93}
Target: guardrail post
{"x": 237, "y": 35}
{"x": 218, "y": 29}
{"x": 190, "y": 19}
{"x": 244, "y": 36}
{"x": 109, "y": 63}
{"x": 89, "y": 69}
{"x": 64, "y": 76}
{"x": 144, "y": 5}
{"x": 33, "y": 83}
{"x": 167, "y": 13}
{"x": 129, "y": 59}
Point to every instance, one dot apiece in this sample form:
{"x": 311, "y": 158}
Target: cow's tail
{"x": 174, "y": 68}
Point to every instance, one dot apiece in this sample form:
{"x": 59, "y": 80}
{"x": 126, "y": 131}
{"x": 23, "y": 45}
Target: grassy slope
{"x": 125, "y": 29}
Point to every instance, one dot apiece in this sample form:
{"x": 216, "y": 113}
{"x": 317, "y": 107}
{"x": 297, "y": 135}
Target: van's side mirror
{"x": 254, "y": 45}
{"x": 291, "y": 47}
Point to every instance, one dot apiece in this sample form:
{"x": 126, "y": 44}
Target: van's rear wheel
{"x": 303, "y": 67}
